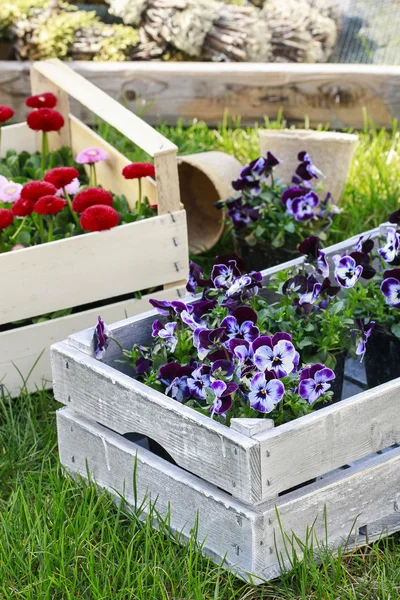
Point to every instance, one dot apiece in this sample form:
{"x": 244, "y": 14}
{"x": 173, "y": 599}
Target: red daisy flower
{"x": 6, "y": 112}
{"x": 6, "y": 218}
{"x": 36, "y": 189}
{"x": 45, "y": 119}
{"x": 46, "y": 100}
{"x": 49, "y": 205}
{"x": 138, "y": 170}
{"x": 90, "y": 197}
{"x": 99, "y": 218}
{"x": 23, "y": 207}
{"x": 61, "y": 176}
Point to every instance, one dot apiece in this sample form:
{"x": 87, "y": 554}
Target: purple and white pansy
{"x": 222, "y": 392}
{"x": 241, "y": 324}
{"x": 315, "y": 381}
{"x": 265, "y": 392}
{"x": 390, "y": 287}
{"x": 166, "y": 333}
{"x": 101, "y": 339}
{"x": 300, "y": 203}
{"x": 391, "y": 248}
{"x": 347, "y": 272}
{"x": 306, "y": 169}
{"x": 199, "y": 381}
{"x": 366, "y": 332}
{"x": 275, "y": 354}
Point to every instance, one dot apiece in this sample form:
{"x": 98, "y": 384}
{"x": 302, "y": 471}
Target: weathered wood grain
{"x": 349, "y": 509}
{"x": 326, "y": 93}
{"x": 74, "y": 271}
{"x": 17, "y": 137}
{"x": 196, "y": 442}
{"x": 22, "y": 348}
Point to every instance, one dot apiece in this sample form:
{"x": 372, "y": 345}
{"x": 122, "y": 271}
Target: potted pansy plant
{"x": 215, "y": 355}
{"x": 269, "y": 219}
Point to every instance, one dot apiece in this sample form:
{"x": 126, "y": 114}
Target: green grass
{"x": 60, "y": 539}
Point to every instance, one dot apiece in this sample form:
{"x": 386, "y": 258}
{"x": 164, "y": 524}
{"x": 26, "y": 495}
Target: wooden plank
{"x": 364, "y": 494}
{"x": 41, "y": 84}
{"x": 109, "y": 172}
{"x": 196, "y": 442}
{"x": 327, "y": 93}
{"x": 21, "y": 348}
{"x": 90, "y": 267}
{"x": 104, "y": 106}
{"x": 329, "y": 438}
{"x": 225, "y": 525}
{"x": 169, "y": 198}
{"x": 17, "y": 137}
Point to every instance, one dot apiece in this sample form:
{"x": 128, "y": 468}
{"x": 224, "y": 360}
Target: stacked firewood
{"x": 260, "y": 31}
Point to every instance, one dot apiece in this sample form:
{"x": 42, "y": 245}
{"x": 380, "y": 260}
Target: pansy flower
{"x": 300, "y": 203}
{"x": 222, "y": 368}
{"x": 178, "y": 389}
{"x": 242, "y": 215}
{"x": 195, "y": 278}
{"x": 347, "y": 272}
{"x": 222, "y": 396}
{"x": 253, "y": 174}
{"x": 101, "y": 339}
{"x": 199, "y": 382}
{"x": 306, "y": 169}
{"x": 208, "y": 340}
{"x": 364, "y": 260}
{"x": 364, "y": 244}
{"x": 223, "y": 275}
{"x": 166, "y": 307}
{"x": 170, "y": 371}
{"x": 366, "y": 332}
{"x": 390, "y": 287}
{"x": 166, "y": 333}
{"x": 314, "y": 382}
{"x": 241, "y": 324}
{"x": 275, "y": 354}
{"x": 265, "y": 392}
{"x": 238, "y": 285}
{"x": 391, "y": 248}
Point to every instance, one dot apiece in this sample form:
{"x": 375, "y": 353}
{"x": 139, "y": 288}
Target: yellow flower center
{"x": 92, "y": 152}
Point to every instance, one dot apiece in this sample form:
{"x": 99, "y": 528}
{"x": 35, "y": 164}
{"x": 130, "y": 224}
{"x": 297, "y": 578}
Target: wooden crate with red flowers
{"x": 284, "y": 466}
{"x": 80, "y": 226}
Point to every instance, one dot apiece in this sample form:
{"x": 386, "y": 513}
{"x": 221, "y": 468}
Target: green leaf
{"x": 24, "y": 238}
{"x": 395, "y": 329}
{"x": 5, "y": 171}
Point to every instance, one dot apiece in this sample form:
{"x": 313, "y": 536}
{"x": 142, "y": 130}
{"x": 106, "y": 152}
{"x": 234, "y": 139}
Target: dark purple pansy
{"x": 395, "y": 217}
{"x": 253, "y": 174}
{"x": 178, "y": 389}
{"x": 222, "y": 396}
{"x": 223, "y": 275}
{"x": 364, "y": 244}
{"x": 275, "y": 354}
{"x": 321, "y": 264}
{"x": 143, "y": 366}
{"x": 203, "y": 307}
{"x": 390, "y": 287}
{"x": 310, "y": 246}
{"x": 314, "y": 382}
{"x": 328, "y": 289}
{"x": 170, "y": 371}
{"x": 164, "y": 307}
{"x": 241, "y": 324}
{"x": 310, "y": 296}
{"x": 242, "y": 350}
{"x": 225, "y": 259}
{"x": 208, "y": 340}
{"x": 391, "y": 248}
{"x": 347, "y": 273}
{"x": 241, "y": 216}
{"x": 166, "y": 333}
{"x": 366, "y": 332}
{"x": 191, "y": 320}
{"x": 101, "y": 338}
{"x": 364, "y": 260}
{"x": 306, "y": 169}
{"x": 195, "y": 278}
{"x": 222, "y": 368}
{"x": 199, "y": 381}
{"x": 265, "y": 392}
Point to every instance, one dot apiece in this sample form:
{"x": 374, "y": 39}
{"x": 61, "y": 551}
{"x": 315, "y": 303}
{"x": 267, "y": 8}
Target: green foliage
{"x": 12, "y": 11}
{"x": 117, "y": 46}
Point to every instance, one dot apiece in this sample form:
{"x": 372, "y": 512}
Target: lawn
{"x": 59, "y": 539}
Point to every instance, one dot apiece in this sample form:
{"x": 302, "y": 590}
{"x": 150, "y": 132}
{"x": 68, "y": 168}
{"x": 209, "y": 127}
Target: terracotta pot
{"x": 204, "y": 179}
{"x": 331, "y": 152}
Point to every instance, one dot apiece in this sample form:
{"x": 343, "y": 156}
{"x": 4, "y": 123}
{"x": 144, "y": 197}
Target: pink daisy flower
{"x": 10, "y": 191}
{"x": 72, "y": 188}
{"x": 91, "y": 155}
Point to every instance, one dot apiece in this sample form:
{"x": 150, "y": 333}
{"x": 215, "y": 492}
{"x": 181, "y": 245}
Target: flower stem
{"x": 116, "y": 341}
{"x": 50, "y": 229}
{"x": 2, "y": 245}
{"x": 94, "y": 175}
{"x": 19, "y": 229}
{"x": 139, "y": 202}
{"x": 41, "y": 228}
{"x": 74, "y": 215}
{"x": 45, "y": 149}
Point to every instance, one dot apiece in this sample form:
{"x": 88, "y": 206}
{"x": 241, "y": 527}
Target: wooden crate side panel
{"x": 363, "y": 495}
{"x": 329, "y": 438}
{"x": 17, "y": 137}
{"x": 21, "y": 348}
{"x": 94, "y": 266}
{"x": 197, "y": 443}
{"x": 109, "y": 172}
{"x": 225, "y": 525}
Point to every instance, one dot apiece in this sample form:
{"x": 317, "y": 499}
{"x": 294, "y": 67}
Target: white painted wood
{"x": 17, "y": 137}
{"x": 21, "y": 348}
{"x": 225, "y": 525}
{"x": 93, "y": 266}
{"x": 196, "y": 442}
{"x": 339, "y": 510}
{"x": 251, "y": 427}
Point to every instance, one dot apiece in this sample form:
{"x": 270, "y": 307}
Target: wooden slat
{"x": 21, "y": 348}
{"x": 109, "y": 172}
{"x": 92, "y": 267}
{"x": 17, "y": 137}
{"x": 196, "y": 442}
{"x": 327, "y": 93}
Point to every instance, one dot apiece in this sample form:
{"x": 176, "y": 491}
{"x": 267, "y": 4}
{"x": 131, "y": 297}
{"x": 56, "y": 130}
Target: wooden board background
{"x": 327, "y": 93}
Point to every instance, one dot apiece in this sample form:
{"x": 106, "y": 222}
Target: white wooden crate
{"x": 96, "y": 266}
{"x": 347, "y": 508}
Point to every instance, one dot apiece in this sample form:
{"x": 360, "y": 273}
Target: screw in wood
{"x": 66, "y": 365}
{"x": 73, "y": 459}
{"x": 396, "y": 507}
{"x": 267, "y": 453}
